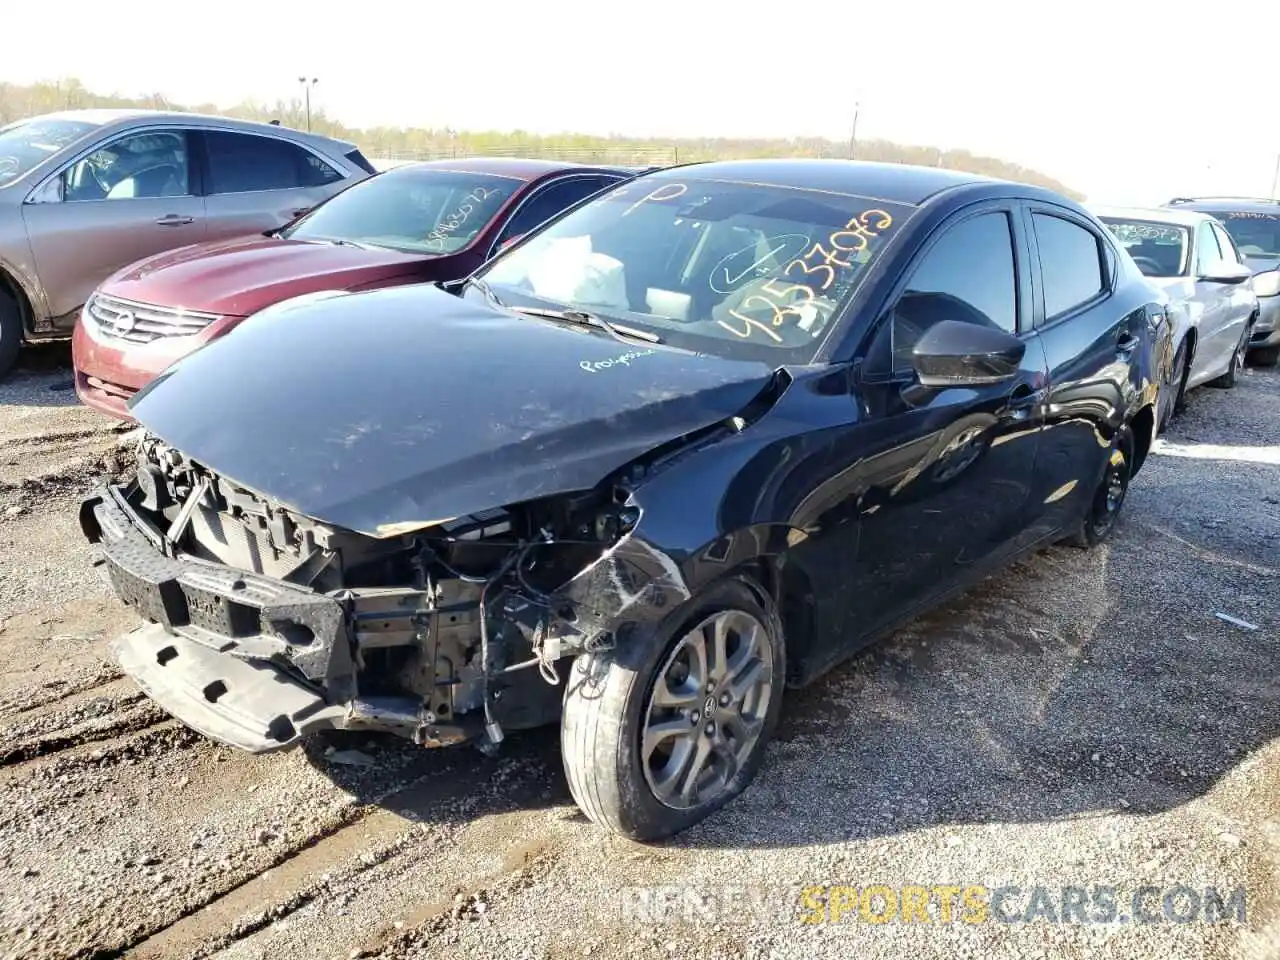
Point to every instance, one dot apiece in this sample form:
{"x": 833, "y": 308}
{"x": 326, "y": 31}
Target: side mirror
{"x": 1224, "y": 271}
{"x": 952, "y": 353}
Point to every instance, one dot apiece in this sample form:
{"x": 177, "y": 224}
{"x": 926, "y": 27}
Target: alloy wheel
{"x": 707, "y": 709}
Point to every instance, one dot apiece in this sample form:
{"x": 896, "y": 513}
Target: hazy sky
{"x": 1118, "y": 99}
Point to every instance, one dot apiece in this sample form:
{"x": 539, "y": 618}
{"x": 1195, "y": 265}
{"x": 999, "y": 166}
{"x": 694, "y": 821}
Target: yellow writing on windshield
{"x": 817, "y": 266}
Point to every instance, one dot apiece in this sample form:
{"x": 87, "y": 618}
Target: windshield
{"x": 1158, "y": 249}
{"x": 1256, "y": 234}
{"x": 415, "y": 210}
{"x": 735, "y": 269}
{"x": 27, "y": 143}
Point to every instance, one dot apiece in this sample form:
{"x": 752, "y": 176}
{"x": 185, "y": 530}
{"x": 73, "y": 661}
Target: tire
{"x": 609, "y": 704}
{"x": 1264, "y": 356}
{"x": 1181, "y": 370}
{"x": 11, "y": 333}
{"x": 1108, "y": 498}
{"x": 1228, "y": 379}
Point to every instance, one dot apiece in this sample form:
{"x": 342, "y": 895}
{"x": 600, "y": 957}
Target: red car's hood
{"x": 239, "y": 277}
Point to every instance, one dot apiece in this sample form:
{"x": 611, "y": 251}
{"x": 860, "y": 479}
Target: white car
{"x": 1193, "y": 259}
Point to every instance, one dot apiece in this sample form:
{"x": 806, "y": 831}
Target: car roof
{"x": 121, "y": 117}
{"x": 521, "y": 168}
{"x": 1250, "y": 204}
{"x": 896, "y": 182}
{"x": 1182, "y": 218}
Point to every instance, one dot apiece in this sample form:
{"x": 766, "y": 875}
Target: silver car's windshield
{"x": 1158, "y": 249}
{"x": 27, "y": 143}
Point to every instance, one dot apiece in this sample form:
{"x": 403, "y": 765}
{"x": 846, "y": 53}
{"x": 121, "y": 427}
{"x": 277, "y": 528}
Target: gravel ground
{"x": 1082, "y": 719}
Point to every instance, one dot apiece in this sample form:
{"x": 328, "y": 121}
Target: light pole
{"x": 306, "y": 92}
{"x": 853, "y": 133}
{"x": 1275, "y": 179}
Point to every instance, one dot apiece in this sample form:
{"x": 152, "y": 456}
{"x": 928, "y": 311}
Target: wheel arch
{"x": 10, "y": 284}
{"x": 1143, "y": 426}
{"x": 788, "y": 587}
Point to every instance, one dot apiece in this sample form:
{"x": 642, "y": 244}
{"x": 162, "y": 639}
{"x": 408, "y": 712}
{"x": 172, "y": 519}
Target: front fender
{"x": 21, "y": 272}
{"x": 638, "y": 581}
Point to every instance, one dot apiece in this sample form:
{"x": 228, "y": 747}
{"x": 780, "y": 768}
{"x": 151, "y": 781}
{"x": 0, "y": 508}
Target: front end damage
{"x": 265, "y": 625}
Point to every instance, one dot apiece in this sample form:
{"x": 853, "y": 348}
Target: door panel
{"x": 1239, "y": 302}
{"x": 946, "y": 474}
{"x": 256, "y": 184}
{"x": 127, "y": 200}
{"x": 1089, "y": 347}
{"x": 239, "y": 214}
{"x": 1211, "y": 302}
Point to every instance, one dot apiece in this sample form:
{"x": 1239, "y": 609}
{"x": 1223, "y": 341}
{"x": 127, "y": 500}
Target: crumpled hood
{"x": 239, "y": 277}
{"x": 388, "y": 410}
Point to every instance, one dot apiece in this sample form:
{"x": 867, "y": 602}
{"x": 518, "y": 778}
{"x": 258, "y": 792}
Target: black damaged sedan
{"x": 690, "y": 443}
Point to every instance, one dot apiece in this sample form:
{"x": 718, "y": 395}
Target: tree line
{"x": 421, "y": 143}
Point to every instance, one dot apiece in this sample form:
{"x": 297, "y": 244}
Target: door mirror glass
{"x": 955, "y": 353}
{"x": 1224, "y": 271}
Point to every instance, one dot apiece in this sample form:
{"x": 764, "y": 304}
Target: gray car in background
{"x": 1254, "y": 225}
{"x": 86, "y": 192}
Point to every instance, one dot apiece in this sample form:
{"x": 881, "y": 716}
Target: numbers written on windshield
{"x": 450, "y": 225}
{"x": 818, "y": 267}
{"x": 1145, "y": 231}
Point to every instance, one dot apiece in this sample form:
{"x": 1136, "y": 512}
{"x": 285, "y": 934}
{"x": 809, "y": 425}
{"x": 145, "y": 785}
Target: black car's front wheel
{"x": 656, "y": 739}
{"x": 1109, "y": 497}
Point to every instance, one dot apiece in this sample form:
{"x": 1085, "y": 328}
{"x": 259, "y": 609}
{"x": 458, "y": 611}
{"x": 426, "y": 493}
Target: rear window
{"x": 1158, "y": 249}
{"x": 1257, "y": 234}
{"x": 28, "y": 143}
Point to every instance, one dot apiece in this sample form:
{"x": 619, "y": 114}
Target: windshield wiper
{"x": 582, "y": 318}
{"x": 482, "y": 285}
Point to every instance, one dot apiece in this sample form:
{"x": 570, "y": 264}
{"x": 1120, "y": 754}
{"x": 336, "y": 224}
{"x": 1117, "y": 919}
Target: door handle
{"x": 1126, "y": 344}
{"x": 173, "y": 220}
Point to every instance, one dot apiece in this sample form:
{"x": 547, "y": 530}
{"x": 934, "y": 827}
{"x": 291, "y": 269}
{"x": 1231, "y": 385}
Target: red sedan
{"x": 421, "y": 222}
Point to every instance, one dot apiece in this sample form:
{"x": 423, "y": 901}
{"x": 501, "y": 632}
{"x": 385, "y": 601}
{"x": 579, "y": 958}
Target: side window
{"x": 135, "y": 167}
{"x": 1069, "y": 263}
{"x": 1226, "y": 244}
{"x": 967, "y": 275}
{"x": 242, "y": 163}
{"x": 550, "y": 200}
{"x": 1206, "y": 246}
